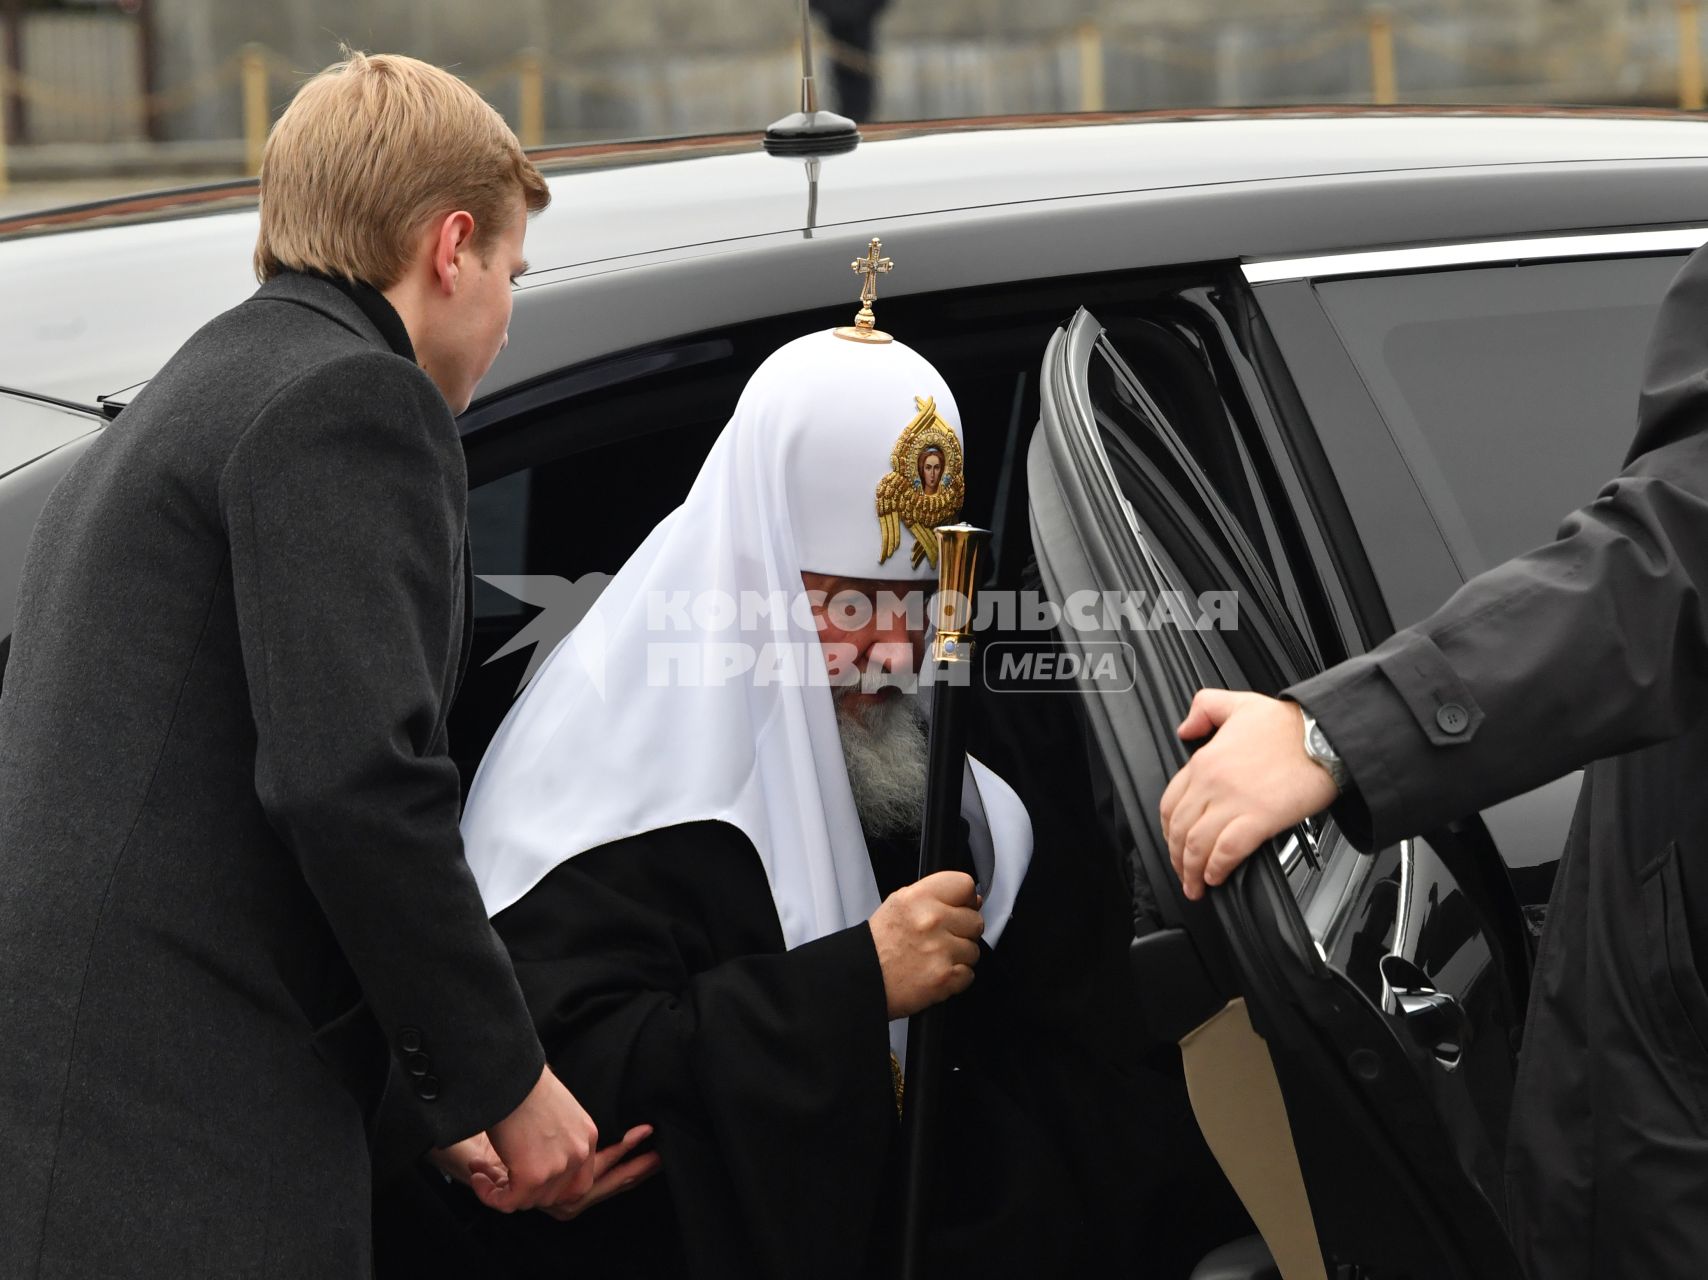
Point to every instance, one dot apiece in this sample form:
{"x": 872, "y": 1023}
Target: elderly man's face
{"x": 873, "y": 633}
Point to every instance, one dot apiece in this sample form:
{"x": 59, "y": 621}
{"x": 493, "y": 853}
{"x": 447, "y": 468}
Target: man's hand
{"x": 1252, "y": 782}
{"x": 927, "y": 939}
{"x": 475, "y": 1164}
{"x": 547, "y": 1144}
{"x": 615, "y": 1170}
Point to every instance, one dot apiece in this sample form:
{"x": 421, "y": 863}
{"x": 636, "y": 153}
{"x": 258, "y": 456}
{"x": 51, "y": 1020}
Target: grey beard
{"x": 885, "y": 747}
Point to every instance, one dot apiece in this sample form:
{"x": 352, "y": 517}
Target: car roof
{"x": 118, "y": 287}
{"x": 673, "y": 192}
{"x": 615, "y": 213}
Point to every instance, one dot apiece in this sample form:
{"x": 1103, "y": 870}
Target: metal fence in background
{"x": 81, "y": 78}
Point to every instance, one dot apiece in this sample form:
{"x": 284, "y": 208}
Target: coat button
{"x": 427, "y": 1088}
{"x": 1452, "y": 717}
{"x": 409, "y": 1039}
{"x": 417, "y": 1064}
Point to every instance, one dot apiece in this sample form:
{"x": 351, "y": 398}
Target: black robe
{"x": 1593, "y": 648}
{"x": 656, "y": 974}
{"x": 654, "y": 968}
{"x": 655, "y": 971}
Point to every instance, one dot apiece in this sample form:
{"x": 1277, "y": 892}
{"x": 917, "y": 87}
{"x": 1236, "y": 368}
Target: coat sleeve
{"x": 655, "y": 971}
{"x": 1590, "y": 646}
{"x": 344, "y": 504}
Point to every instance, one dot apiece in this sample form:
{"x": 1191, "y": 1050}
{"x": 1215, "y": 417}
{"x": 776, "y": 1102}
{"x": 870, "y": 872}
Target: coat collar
{"x": 359, "y": 307}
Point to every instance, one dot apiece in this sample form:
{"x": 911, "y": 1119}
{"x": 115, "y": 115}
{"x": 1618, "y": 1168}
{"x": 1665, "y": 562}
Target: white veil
{"x": 666, "y": 706}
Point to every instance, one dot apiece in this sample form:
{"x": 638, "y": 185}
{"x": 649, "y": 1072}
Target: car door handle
{"x": 1434, "y": 1019}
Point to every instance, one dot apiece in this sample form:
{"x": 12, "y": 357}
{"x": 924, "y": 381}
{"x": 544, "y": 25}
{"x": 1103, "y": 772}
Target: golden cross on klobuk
{"x": 869, "y": 269}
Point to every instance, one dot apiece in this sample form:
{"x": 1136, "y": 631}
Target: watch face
{"x": 1319, "y": 741}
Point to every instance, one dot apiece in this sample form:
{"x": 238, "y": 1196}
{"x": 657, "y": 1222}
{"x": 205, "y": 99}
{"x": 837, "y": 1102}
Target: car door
{"x": 39, "y": 440}
{"x": 1348, "y": 1021}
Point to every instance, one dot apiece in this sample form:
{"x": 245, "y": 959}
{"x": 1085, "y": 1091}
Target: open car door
{"x": 1348, "y": 1022}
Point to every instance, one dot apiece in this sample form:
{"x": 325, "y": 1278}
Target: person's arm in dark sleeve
{"x": 344, "y": 507}
{"x": 1591, "y": 646}
{"x": 655, "y": 973}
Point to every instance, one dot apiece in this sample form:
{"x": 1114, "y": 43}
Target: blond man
{"x": 232, "y": 890}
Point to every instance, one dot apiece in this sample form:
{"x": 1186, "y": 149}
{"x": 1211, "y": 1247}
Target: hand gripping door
{"x": 1348, "y": 1021}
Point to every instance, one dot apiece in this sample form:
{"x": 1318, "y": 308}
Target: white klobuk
{"x": 645, "y": 715}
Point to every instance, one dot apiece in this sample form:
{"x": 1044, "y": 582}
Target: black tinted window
{"x": 1188, "y": 517}
{"x": 498, "y": 539}
{"x": 1511, "y": 391}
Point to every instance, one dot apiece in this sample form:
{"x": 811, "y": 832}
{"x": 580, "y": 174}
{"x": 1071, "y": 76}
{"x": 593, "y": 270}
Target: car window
{"x": 1193, "y": 515}
{"x": 1197, "y": 371}
{"x": 48, "y": 440}
{"x": 1511, "y": 392}
{"x": 30, "y": 428}
{"x": 498, "y": 540}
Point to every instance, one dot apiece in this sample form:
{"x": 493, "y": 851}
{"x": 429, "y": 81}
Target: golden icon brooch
{"x": 924, "y": 487}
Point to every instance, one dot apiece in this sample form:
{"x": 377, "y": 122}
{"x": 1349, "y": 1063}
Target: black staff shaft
{"x": 940, "y": 849}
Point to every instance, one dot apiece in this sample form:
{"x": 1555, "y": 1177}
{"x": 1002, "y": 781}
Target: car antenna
{"x": 810, "y": 132}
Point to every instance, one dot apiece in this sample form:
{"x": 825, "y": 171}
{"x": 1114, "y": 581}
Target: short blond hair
{"x": 368, "y": 153}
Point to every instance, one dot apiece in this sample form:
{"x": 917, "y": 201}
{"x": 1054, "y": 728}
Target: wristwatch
{"x": 1317, "y": 747}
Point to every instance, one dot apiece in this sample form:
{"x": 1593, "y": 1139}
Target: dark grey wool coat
{"x": 230, "y": 872}
{"x": 1590, "y": 650}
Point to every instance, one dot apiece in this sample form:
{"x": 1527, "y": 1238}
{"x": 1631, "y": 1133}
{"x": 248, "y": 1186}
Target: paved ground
{"x": 27, "y": 197}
